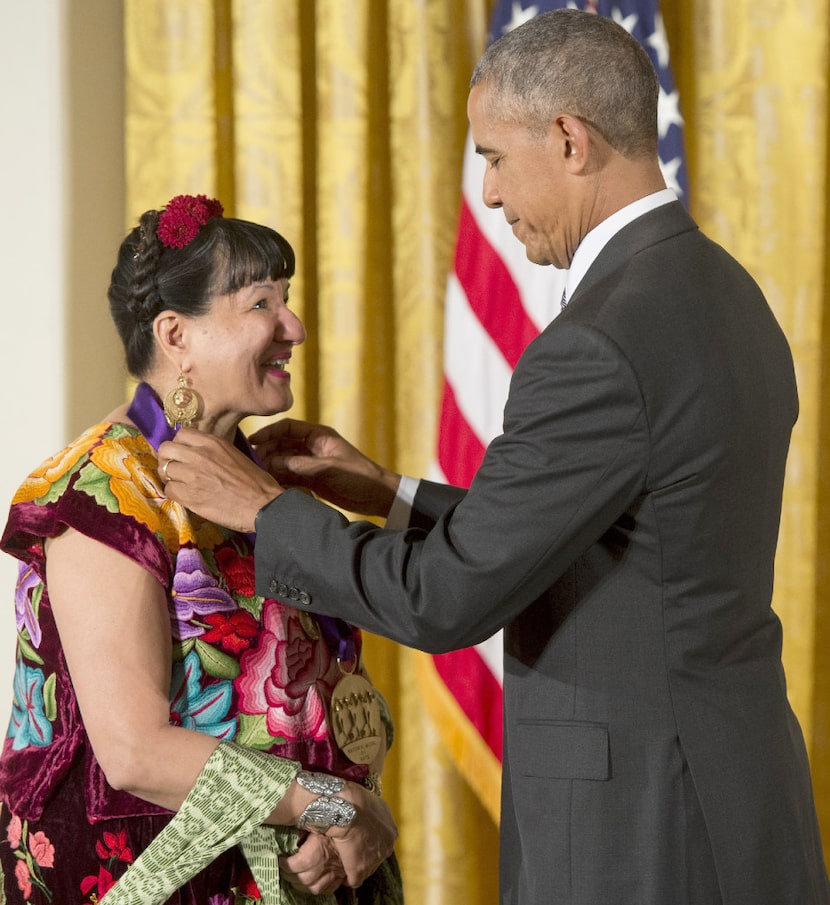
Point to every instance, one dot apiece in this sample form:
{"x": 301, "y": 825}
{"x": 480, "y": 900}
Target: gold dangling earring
{"x": 181, "y": 404}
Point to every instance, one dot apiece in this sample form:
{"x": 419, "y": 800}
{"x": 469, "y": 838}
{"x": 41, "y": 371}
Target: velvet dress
{"x": 244, "y": 669}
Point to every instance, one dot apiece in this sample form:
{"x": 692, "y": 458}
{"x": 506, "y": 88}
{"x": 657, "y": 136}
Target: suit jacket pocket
{"x": 563, "y": 750}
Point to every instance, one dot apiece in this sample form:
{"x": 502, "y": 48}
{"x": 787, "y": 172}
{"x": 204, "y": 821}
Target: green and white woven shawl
{"x": 236, "y": 790}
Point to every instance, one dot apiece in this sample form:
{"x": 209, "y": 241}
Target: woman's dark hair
{"x": 150, "y": 277}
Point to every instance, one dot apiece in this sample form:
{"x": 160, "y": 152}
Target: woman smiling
{"x": 161, "y": 706}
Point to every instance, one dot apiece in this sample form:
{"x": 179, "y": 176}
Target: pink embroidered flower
{"x": 14, "y": 831}
{"x": 279, "y": 675}
{"x": 24, "y": 883}
{"x": 184, "y": 216}
{"x": 42, "y": 849}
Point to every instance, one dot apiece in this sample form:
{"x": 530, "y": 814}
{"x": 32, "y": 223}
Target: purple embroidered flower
{"x": 194, "y": 707}
{"x": 27, "y": 581}
{"x": 195, "y": 593}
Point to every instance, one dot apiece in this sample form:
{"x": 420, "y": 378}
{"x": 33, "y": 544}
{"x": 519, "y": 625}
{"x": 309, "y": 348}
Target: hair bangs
{"x": 252, "y": 253}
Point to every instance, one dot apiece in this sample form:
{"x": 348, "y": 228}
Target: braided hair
{"x": 150, "y": 276}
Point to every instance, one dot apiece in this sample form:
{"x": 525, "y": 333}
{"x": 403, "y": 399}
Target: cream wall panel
{"x": 62, "y": 187}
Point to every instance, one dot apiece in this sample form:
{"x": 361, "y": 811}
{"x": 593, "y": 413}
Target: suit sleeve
{"x": 573, "y": 456}
{"x": 431, "y": 502}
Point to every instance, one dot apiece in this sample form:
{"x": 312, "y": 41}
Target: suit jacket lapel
{"x": 652, "y": 227}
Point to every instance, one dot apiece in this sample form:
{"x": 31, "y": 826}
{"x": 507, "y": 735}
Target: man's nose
{"x": 490, "y": 193}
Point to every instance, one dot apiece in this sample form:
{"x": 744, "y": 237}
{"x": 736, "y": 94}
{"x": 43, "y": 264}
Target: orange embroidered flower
{"x": 39, "y": 482}
{"x": 132, "y": 468}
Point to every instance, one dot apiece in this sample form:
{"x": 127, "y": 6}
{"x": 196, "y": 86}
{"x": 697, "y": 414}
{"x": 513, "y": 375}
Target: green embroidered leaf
{"x": 209, "y": 557}
{"x": 252, "y": 604}
{"x": 216, "y": 663}
{"x": 50, "y": 702}
{"x": 182, "y": 648}
{"x": 253, "y": 732}
{"x": 37, "y": 593}
{"x": 117, "y": 431}
{"x": 96, "y": 484}
{"x": 56, "y": 490}
{"x": 26, "y": 649}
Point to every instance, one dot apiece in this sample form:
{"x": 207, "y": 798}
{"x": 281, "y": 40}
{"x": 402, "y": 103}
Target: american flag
{"x": 496, "y": 302}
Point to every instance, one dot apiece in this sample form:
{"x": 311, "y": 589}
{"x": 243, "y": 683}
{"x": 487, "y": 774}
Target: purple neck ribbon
{"x": 147, "y": 415}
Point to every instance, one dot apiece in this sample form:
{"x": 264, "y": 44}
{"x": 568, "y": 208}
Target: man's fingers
{"x": 285, "y": 428}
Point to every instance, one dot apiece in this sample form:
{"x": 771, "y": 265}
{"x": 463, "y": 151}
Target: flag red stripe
{"x": 477, "y": 692}
{"x": 490, "y": 290}
{"x": 459, "y": 450}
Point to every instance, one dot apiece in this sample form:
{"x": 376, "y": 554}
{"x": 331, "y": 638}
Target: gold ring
{"x": 164, "y": 469}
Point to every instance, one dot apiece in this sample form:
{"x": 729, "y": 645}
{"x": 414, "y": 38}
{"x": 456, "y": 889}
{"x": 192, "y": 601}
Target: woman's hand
{"x": 316, "y": 867}
{"x": 212, "y": 478}
{"x": 368, "y": 840}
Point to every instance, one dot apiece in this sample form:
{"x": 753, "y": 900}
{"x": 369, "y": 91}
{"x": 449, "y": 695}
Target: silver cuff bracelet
{"x": 320, "y": 783}
{"x": 324, "y": 812}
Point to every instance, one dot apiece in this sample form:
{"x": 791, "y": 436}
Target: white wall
{"x": 32, "y": 251}
{"x": 61, "y": 122}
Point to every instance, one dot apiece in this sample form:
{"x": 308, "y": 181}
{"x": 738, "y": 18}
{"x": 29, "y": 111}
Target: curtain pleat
{"x": 342, "y": 125}
{"x": 753, "y": 82}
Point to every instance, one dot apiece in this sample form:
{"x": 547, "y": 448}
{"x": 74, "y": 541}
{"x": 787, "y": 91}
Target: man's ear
{"x": 169, "y": 329}
{"x": 575, "y": 139}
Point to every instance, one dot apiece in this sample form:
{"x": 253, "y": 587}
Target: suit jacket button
{"x": 293, "y": 594}
{"x": 273, "y": 586}
{"x": 305, "y": 598}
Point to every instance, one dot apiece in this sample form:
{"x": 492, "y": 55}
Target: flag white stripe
{"x": 479, "y": 381}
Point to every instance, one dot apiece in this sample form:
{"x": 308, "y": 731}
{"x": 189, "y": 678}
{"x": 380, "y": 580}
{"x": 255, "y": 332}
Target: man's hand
{"x": 317, "y": 457}
{"x": 212, "y": 478}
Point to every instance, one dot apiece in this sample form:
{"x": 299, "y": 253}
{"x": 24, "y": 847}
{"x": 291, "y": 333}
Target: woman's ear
{"x": 169, "y": 331}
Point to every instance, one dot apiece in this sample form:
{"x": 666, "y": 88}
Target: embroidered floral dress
{"x": 244, "y": 669}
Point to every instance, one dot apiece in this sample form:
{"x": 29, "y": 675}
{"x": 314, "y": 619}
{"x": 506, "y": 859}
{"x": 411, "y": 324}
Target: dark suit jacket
{"x": 622, "y": 530}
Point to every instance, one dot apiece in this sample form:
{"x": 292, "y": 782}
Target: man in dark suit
{"x": 622, "y": 529}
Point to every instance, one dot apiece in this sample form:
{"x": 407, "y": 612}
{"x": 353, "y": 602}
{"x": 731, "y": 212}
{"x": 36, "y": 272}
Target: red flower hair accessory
{"x": 184, "y": 216}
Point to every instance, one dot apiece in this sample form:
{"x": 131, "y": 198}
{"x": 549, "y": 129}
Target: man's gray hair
{"x": 568, "y": 61}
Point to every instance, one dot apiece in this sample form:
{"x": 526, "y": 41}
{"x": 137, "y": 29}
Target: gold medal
{"x": 355, "y": 719}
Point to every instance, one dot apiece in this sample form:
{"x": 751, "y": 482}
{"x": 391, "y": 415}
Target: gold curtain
{"x": 342, "y": 125}
{"x": 753, "y": 83}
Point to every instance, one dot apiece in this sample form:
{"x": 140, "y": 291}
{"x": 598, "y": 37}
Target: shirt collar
{"x": 594, "y": 241}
